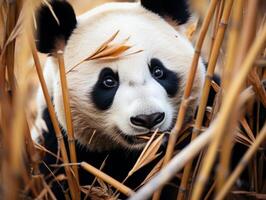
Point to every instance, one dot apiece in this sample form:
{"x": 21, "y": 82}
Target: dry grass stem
{"x": 108, "y": 179}
{"x": 206, "y": 88}
{"x": 70, "y": 130}
{"x": 175, "y": 164}
{"x": 61, "y": 144}
{"x": 188, "y": 87}
{"x": 190, "y": 80}
{"x": 148, "y": 154}
{"x": 242, "y": 164}
{"x": 234, "y": 31}
{"x": 226, "y": 108}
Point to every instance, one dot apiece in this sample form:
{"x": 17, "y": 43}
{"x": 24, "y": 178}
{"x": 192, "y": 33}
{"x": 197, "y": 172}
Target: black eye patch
{"x": 102, "y": 95}
{"x": 165, "y": 77}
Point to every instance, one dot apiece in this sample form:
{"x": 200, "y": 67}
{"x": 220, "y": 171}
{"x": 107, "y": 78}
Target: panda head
{"x": 115, "y": 99}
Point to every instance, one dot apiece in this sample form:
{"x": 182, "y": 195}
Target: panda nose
{"x": 148, "y": 121}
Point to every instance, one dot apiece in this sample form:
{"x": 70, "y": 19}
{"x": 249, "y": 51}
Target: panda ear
{"x": 176, "y": 9}
{"x": 54, "y": 25}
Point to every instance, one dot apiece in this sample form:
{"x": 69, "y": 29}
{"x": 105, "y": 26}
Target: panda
{"x": 114, "y": 98}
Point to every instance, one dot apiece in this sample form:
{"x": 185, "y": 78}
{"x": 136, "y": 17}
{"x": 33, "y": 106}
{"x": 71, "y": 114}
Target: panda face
{"x": 115, "y": 100}
{"x": 138, "y": 102}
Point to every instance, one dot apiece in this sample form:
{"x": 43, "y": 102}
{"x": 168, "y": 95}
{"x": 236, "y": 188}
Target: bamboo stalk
{"x": 248, "y": 34}
{"x": 189, "y": 83}
{"x": 12, "y": 173}
{"x": 8, "y": 177}
{"x": 245, "y": 95}
{"x": 216, "y": 22}
{"x": 206, "y": 87}
{"x": 188, "y": 88}
{"x": 10, "y": 51}
{"x": 33, "y": 156}
{"x": 235, "y": 28}
{"x": 18, "y": 126}
{"x": 61, "y": 144}
{"x": 187, "y": 92}
{"x": 249, "y": 31}
{"x": 70, "y": 130}
{"x": 242, "y": 164}
{"x": 224, "y": 116}
{"x": 211, "y": 66}
{"x": 176, "y": 164}
{"x": 234, "y": 31}
{"x": 108, "y": 179}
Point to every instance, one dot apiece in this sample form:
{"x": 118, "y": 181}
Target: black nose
{"x": 147, "y": 121}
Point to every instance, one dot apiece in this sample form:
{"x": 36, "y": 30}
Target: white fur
{"x": 50, "y": 73}
{"x": 148, "y": 32}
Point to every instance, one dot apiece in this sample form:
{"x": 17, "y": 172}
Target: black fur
{"x": 49, "y": 32}
{"x": 169, "y": 80}
{"x": 175, "y": 9}
{"x": 102, "y": 96}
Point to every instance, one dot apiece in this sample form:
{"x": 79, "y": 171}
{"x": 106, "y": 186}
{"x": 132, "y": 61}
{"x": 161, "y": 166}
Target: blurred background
{"x": 84, "y": 5}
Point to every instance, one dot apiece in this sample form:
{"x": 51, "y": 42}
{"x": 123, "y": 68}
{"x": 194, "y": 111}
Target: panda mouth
{"x": 142, "y": 138}
{"x": 136, "y": 139}
{"x": 139, "y": 139}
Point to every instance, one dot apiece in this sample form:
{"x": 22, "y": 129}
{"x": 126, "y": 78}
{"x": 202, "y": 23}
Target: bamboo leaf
{"x": 148, "y": 153}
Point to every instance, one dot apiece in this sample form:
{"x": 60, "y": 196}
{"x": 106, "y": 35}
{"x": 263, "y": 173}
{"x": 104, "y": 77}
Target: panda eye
{"x": 110, "y": 82}
{"x": 158, "y": 72}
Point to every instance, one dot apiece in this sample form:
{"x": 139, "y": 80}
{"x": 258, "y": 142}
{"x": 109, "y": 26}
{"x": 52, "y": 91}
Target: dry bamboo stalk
{"x": 234, "y": 31}
{"x": 2, "y": 73}
{"x": 176, "y": 164}
{"x": 5, "y": 128}
{"x": 207, "y": 84}
{"x": 210, "y": 191}
{"x": 232, "y": 43}
{"x": 10, "y": 51}
{"x": 146, "y": 153}
{"x": 219, "y": 14}
{"x": 254, "y": 79}
{"x": 190, "y": 80}
{"x": 249, "y": 31}
{"x": 225, "y": 111}
{"x": 246, "y": 95}
{"x": 227, "y": 146}
{"x": 61, "y": 144}
{"x": 10, "y": 172}
{"x": 248, "y": 34}
{"x": 188, "y": 88}
{"x": 33, "y": 157}
{"x": 9, "y": 178}
{"x": 18, "y": 126}
{"x": 242, "y": 164}
{"x": 68, "y": 116}
{"x": 216, "y": 22}
{"x": 19, "y": 123}
{"x": 31, "y": 150}
{"x": 211, "y": 66}
{"x": 108, "y": 179}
